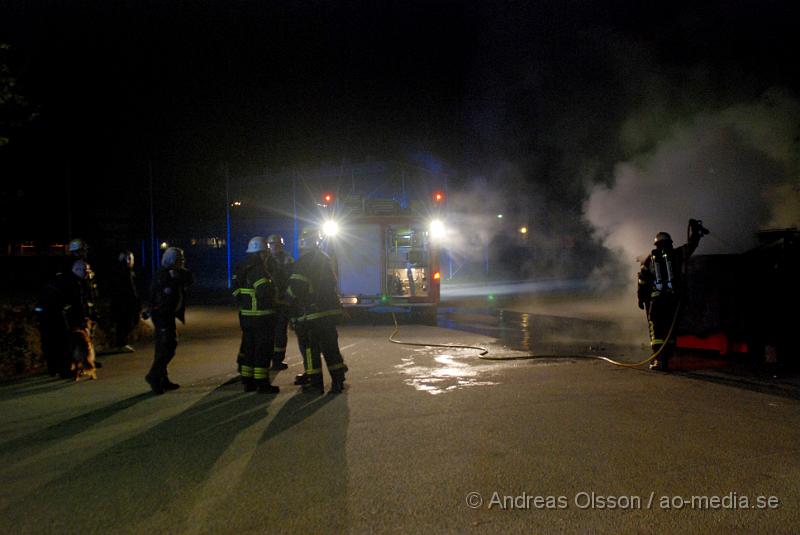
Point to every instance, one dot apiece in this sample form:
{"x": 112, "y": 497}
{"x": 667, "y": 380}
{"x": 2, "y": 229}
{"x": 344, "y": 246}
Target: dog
{"x": 83, "y": 354}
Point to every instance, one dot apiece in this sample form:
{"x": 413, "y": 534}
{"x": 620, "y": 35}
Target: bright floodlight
{"x": 330, "y": 228}
{"x": 437, "y": 229}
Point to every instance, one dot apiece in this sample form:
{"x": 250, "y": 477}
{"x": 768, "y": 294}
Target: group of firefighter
{"x": 273, "y": 290}
{"x": 66, "y": 309}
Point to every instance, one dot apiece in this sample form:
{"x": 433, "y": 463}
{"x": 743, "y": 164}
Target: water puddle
{"x": 447, "y": 373}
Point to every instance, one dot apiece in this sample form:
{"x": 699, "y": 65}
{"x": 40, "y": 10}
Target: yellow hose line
{"x": 484, "y": 351}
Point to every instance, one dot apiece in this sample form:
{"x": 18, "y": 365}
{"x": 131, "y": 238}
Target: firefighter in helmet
{"x": 167, "y": 303}
{"x": 281, "y": 269}
{"x": 661, "y": 287}
{"x": 315, "y": 310}
{"x": 255, "y": 294}
{"x": 78, "y": 249}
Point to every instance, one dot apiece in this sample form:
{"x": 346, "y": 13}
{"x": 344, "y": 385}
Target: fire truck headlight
{"x": 330, "y": 228}
{"x": 437, "y": 229}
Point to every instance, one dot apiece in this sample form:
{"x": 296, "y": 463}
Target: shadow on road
{"x": 157, "y": 470}
{"x": 299, "y": 470}
{"x": 32, "y": 386}
{"x": 28, "y": 445}
{"x": 298, "y": 408}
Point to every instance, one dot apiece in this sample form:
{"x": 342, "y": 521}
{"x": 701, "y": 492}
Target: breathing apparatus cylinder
{"x": 662, "y": 263}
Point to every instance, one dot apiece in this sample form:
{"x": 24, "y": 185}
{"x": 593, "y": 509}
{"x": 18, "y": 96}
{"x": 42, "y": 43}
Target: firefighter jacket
{"x": 313, "y": 287}
{"x": 662, "y": 272}
{"x": 168, "y": 296}
{"x": 64, "y": 303}
{"x": 280, "y": 265}
{"x": 124, "y": 295}
{"x": 254, "y": 288}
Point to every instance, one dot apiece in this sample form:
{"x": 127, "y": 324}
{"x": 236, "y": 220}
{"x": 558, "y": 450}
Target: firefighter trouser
{"x": 281, "y": 338}
{"x": 165, "y": 344}
{"x": 317, "y": 337}
{"x": 258, "y": 334}
{"x": 660, "y": 315}
{"x": 55, "y": 346}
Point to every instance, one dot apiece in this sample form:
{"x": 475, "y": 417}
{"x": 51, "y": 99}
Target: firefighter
{"x": 63, "y": 307}
{"x": 281, "y": 269}
{"x": 125, "y": 304}
{"x": 78, "y": 249}
{"x": 315, "y": 310}
{"x": 661, "y": 287}
{"x": 167, "y": 302}
{"x": 255, "y": 295}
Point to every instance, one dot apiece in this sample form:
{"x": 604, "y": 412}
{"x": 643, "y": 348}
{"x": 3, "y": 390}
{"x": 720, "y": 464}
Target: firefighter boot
{"x": 167, "y": 385}
{"x": 337, "y": 380}
{"x": 657, "y": 364}
{"x": 264, "y": 387}
{"x": 248, "y": 384}
{"x": 300, "y": 379}
{"x": 313, "y": 386}
{"x": 155, "y": 385}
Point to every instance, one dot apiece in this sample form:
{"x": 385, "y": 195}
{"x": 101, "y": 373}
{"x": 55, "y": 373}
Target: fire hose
{"x": 695, "y": 225}
{"x": 485, "y": 351}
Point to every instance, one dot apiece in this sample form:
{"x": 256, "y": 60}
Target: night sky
{"x": 545, "y": 103}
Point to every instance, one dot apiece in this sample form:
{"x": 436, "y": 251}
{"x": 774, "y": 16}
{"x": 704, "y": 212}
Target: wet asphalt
{"x": 425, "y": 439}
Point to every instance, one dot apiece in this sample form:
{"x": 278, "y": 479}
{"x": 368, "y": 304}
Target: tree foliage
{"x": 15, "y": 109}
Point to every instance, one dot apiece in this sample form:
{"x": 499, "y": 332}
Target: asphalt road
{"x": 549, "y": 446}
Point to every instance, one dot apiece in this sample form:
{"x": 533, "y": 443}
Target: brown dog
{"x": 83, "y": 354}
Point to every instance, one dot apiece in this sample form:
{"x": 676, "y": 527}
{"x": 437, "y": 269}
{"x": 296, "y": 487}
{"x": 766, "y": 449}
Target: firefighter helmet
{"x": 309, "y": 238}
{"x": 257, "y": 244}
{"x": 126, "y": 258}
{"x": 275, "y": 238}
{"x": 172, "y": 257}
{"x": 662, "y": 239}
{"x": 78, "y": 246}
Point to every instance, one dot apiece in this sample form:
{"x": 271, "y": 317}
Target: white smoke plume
{"x": 736, "y": 169}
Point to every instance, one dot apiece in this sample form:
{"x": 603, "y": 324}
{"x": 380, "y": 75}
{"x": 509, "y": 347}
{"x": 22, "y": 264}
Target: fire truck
{"x": 386, "y": 256}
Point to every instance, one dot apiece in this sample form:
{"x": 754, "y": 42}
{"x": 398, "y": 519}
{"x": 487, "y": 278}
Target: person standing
{"x": 316, "y": 310}
{"x": 63, "y": 308}
{"x": 125, "y": 303}
{"x": 168, "y": 302}
{"x": 660, "y": 289}
{"x": 255, "y": 295}
{"x": 281, "y": 264}
{"x": 79, "y": 250}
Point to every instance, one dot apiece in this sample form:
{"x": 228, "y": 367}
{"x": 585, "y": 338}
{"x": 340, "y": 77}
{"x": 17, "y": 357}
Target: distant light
{"x": 349, "y": 300}
{"x": 437, "y": 229}
{"x": 490, "y": 297}
{"x": 523, "y": 230}
{"x": 499, "y": 216}
{"x": 330, "y": 228}
{"x": 236, "y": 203}
{"x": 438, "y": 197}
{"x": 164, "y": 245}
{"x": 384, "y": 298}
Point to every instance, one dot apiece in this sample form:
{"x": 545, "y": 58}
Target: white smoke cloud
{"x": 736, "y": 169}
